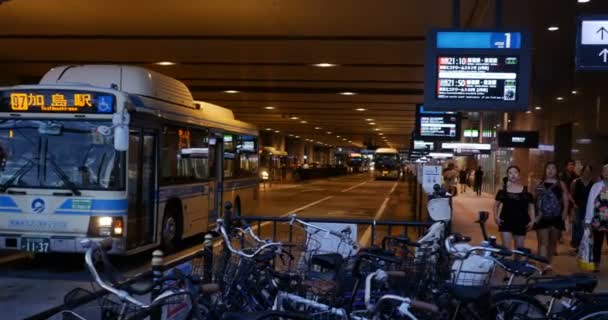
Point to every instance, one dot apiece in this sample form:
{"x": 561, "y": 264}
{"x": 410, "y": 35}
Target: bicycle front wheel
{"x": 517, "y": 307}
{"x": 590, "y": 312}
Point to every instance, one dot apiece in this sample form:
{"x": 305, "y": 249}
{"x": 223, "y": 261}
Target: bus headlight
{"x": 106, "y": 226}
{"x": 104, "y": 222}
{"x": 264, "y": 175}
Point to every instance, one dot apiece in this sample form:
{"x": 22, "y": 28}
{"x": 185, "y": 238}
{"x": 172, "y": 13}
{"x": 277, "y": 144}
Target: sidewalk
{"x": 467, "y": 205}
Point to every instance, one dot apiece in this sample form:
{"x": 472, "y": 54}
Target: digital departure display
{"x": 435, "y": 126}
{"x": 57, "y": 101}
{"x": 518, "y": 139}
{"x": 477, "y": 77}
{"x": 468, "y": 70}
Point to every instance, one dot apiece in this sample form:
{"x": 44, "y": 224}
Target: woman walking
{"x": 596, "y": 216}
{"x": 551, "y": 212}
{"x": 580, "y": 189}
{"x": 513, "y": 210}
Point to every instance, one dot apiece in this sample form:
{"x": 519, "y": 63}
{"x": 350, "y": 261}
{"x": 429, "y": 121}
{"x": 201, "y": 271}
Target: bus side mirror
{"x": 120, "y": 122}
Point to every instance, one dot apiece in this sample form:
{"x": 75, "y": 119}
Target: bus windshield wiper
{"x": 64, "y": 177}
{"x": 25, "y": 168}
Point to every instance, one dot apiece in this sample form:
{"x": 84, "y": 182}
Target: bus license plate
{"x": 35, "y": 244}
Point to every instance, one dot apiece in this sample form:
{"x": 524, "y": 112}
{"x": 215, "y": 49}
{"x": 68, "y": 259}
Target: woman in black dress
{"x": 551, "y": 212}
{"x": 513, "y": 210}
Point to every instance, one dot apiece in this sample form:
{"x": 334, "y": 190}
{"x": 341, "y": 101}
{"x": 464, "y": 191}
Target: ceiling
{"x": 265, "y": 49}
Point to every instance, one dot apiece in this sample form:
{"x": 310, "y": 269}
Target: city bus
{"x": 387, "y": 164}
{"x": 99, "y": 151}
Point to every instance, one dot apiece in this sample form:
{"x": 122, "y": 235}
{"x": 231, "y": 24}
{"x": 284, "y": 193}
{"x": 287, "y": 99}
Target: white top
{"x": 595, "y": 191}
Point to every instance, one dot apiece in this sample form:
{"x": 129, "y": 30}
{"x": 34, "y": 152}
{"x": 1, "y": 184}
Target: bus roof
{"x": 155, "y": 93}
{"x": 387, "y": 150}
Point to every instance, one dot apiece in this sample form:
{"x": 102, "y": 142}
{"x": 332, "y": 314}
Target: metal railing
{"x": 418, "y": 227}
{"x": 204, "y": 268}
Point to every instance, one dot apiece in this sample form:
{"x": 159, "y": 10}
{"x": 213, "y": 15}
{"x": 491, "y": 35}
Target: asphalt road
{"x": 30, "y": 285}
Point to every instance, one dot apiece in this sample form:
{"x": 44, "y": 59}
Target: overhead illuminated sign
{"x": 592, "y": 43}
{"x": 57, "y": 101}
{"x": 437, "y": 125}
{"x": 477, "y": 70}
{"x": 475, "y": 146}
{"x": 518, "y": 139}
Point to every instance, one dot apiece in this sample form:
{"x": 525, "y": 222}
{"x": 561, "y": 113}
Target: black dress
{"x": 514, "y": 212}
{"x": 558, "y": 222}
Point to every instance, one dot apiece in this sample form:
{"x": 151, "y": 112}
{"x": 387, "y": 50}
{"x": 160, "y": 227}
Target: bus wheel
{"x": 171, "y": 231}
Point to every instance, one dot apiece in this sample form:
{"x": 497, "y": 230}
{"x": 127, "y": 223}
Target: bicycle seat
{"x": 469, "y": 293}
{"x": 563, "y": 285}
{"x": 210, "y": 288}
{"x": 518, "y": 268}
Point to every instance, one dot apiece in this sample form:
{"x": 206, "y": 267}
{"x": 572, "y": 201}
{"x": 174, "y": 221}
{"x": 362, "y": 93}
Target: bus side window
{"x": 247, "y": 156}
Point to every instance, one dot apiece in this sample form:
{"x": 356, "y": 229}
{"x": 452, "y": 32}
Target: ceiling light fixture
{"x": 294, "y": 118}
{"x": 583, "y": 1}
{"x": 268, "y": 129}
{"x": 560, "y": 98}
{"x": 369, "y": 119}
{"x": 574, "y": 92}
{"x": 360, "y": 109}
{"x": 376, "y": 129}
{"x": 318, "y": 128}
{"x": 528, "y": 112}
{"x": 269, "y": 108}
{"x": 372, "y": 123}
{"x": 291, "y": 135}
{"x": 303, "y": 121}
{"x": 337, "y": 136}
{"x": 324, "y": 65}
{"x": 297, "y": 137}
{"x": 347, "y": 93}
{"x": 231, "y": 91}
{"x": 165, "y": 63}
{"x": 328, "y": 132}
{"x": 276, "y": 131}
{"x": 380, "y": 134}
{"x": 553, "y": 28}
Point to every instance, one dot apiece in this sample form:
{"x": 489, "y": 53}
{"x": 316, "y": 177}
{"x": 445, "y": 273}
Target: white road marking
{"x": 306, "y": 206}
{"x": 355, "y": 186}
{"x": 368, "y": 232}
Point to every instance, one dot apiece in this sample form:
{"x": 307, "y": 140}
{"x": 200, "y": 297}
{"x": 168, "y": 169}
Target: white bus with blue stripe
{"x": 99, "y": 151}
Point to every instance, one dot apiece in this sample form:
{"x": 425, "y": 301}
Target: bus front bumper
{"x": 53, "y": 243}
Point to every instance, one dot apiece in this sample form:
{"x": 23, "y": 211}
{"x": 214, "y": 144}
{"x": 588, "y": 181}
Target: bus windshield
{"x": 386, "y": 159}
{"x": 58, "y": 154}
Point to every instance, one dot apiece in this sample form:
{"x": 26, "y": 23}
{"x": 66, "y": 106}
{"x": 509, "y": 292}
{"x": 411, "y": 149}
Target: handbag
{"x": 585, "y": 252}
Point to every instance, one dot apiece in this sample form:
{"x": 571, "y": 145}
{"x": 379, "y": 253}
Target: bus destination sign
{"x": 57, "y": 101}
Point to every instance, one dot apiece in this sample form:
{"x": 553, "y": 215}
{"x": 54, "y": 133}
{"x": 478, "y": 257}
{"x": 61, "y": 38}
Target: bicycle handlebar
{"x": 449, "y": 245}
{"x": 227, "y": 242}
{"x": 122, "y": 295}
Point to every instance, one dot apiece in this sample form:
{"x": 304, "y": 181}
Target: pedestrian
{"x": 450, "y": 177}
{"x": 580, "y": 189}
{"x": 596, "y": 215}
{"x": 478, "y": 180}
{"x": 568, "y": 176}
{"x": 551, "y": 205}
{"x": 463, "y": 180}
{"x": 514, "y": 210}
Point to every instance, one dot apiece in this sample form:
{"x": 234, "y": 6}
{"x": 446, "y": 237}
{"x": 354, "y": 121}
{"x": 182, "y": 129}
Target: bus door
{"x": 141, "y": 186}
{"x": 216, "y": 167}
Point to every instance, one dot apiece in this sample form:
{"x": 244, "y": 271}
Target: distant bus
{"x": 387, "y": 164}
{"x": 117, "y": 151}
{"x": 356, "y": 162}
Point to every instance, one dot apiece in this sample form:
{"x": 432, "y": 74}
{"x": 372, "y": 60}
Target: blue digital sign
{"x": 478, "y": 40}
{"x": 477, "y": 70}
